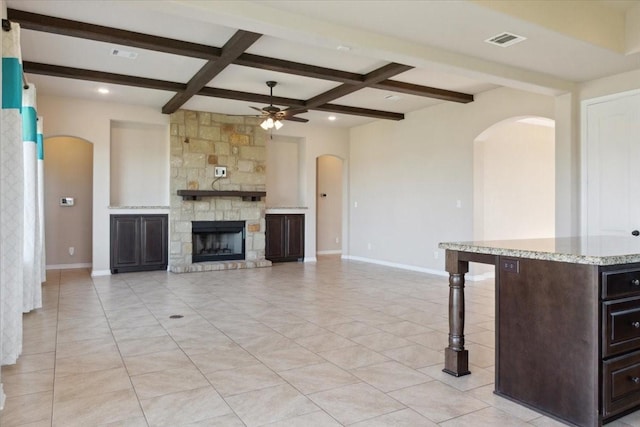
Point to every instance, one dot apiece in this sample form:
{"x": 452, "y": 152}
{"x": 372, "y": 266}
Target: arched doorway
{"x": 329, "y": 184}
{"x": 514, "y": 180}
{"x": 68, "y": 173}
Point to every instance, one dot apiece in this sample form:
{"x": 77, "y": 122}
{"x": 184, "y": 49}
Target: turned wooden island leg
{"x": 456, "y": 358}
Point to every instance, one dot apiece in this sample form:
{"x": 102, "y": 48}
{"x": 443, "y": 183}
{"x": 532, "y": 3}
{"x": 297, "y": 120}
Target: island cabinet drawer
{"x": 620, "y": 283}
{"x": 621, "y": 384}
{"x": 622, "y": 326}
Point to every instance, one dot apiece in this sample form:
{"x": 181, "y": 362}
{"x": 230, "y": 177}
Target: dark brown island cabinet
{"x": 138, "y": 243}
{"x": 567, "y": 323}
{"x": 284, "y": 237}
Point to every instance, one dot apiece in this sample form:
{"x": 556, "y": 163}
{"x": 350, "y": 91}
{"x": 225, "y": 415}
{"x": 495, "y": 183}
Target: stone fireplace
{"x": 200, "y": 142}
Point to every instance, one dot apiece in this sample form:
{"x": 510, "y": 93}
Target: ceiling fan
{"x": 272, "y": 115}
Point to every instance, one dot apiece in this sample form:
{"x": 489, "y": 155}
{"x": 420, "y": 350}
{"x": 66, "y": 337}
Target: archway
{"x": 514, "y": 180}
{"x": 68, "y": 173}
{"x": 329, "y": 191}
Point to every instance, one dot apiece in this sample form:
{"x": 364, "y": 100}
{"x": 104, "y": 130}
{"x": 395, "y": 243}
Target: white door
{"x": 612, "y": 161}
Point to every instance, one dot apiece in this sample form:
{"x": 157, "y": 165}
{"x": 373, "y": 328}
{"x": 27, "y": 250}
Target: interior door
{"x": 612, "y": 161}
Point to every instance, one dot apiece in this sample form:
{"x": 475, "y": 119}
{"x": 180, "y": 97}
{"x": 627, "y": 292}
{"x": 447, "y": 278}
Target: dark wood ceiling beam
{"x": 357, "y": 111}
{"x": 66, "y": 27}
{"x": 44, "y": 23}
{"x": 426, "y": 91}
{"x": 233, "y": 48}
{"x": 375, "y": 76}
{"x": 99, "y": 76}
{"x": 120, "y": 79}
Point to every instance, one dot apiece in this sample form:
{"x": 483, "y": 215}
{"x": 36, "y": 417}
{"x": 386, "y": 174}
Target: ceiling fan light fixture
{"x": 264, "y": 125}
{"x": 277, "y": 124}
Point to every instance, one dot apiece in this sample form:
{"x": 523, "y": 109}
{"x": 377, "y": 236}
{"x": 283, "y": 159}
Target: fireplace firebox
{"x": 218, "y": 240}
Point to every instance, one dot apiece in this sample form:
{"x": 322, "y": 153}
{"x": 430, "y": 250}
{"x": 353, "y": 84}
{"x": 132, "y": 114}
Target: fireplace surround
{"x": 218, "y": 240}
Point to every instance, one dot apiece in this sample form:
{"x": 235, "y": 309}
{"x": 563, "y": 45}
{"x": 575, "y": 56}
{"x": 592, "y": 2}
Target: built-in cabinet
{"x": 138, "y": 242}
{"x": 284, "y": 237}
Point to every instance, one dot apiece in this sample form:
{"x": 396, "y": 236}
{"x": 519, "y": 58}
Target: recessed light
{"x": 124, "y": 53}
{"x": 332, "y": 118}
{"x": 392, "y": 97}
{"x": 103, "y": 90}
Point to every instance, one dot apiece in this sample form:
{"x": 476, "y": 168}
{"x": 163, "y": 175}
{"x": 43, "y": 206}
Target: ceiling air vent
{"x": 505, "y": 39}
{"x": 124, "y": 53}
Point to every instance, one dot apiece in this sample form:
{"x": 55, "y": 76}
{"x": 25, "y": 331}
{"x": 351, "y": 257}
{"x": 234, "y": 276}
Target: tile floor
{"x": 327, "y": 344}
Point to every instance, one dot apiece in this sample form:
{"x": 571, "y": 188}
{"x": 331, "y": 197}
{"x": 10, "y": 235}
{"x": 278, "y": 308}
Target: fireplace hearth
{"x": 218, "y": 240}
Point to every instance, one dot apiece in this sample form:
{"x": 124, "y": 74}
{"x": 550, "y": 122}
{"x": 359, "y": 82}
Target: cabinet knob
{"x": 635, "y": 324}
{"x": 635, "y": 380}
{"x": 635, "y": 233}
{"x": 635, "y": 282}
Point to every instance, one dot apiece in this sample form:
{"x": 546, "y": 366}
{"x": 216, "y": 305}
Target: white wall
{"x": 92, "y": 121}
{"x": 514, "y": 182}
{"x": 408, "y": 176}
{"x": 317, "y": 141}
{"x": 139, "y": 164}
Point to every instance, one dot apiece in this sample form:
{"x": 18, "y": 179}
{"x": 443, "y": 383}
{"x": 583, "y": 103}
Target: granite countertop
{"x": 593, "y": 250}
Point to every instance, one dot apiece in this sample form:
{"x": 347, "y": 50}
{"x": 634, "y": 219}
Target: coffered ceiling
{"x": 355, "y": 60}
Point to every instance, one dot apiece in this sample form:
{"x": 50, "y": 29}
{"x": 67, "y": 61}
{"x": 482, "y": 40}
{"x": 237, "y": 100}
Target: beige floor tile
{"x": 353, "y": 329}
{"x": 139, "y": 332}
{"x": 416, "y": 356}
{"x": 223, "y": 358}
{"x": 299, "y": 330}
{"x": 389, "y": 376}
{"x": 87, "y": 384}
{"x": 289, "y": 358}
{"x": 153, "y": 362}
{"x": 479, "y": 377}
{"x": 356, "y": 402}
{"x": 98, "y": 409}
{"x": 315, "y": 378}
{"x": 271, "y": 404}
{"x": 487, "y": 395}
{"x": 140, "y": 346}
{"x": 229, "y": 420}
{"x": 88, "y": 363}
{"x": 353, "y": 357}
{"x": 314, "y": 419}
{"x": 324, "y": 342}
{"x": 242, "y": 380}
{"x": 85, "y": 347}
{"x": 170, "y": 381}
{"x": 435, "y": 340}
{"x": 403, "y": 417}
{"x": 404, "y": 328}
{"x": 28, "y": 382}
{"x": 26, "y": 409}
{"x": 131, "y": 422}
{"x": 438, "y": 402}
{"x": 31, "y": 363}
{"x": 184, "y": 407}
{"x": 382, "y": 341}
{"x": 487, "y": 417}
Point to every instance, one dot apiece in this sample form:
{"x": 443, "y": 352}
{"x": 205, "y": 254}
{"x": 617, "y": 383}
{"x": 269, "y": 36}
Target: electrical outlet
{"x": 436, "y": 254}
{"x": 510, "y": 265}
{"x": 220, "y": 171}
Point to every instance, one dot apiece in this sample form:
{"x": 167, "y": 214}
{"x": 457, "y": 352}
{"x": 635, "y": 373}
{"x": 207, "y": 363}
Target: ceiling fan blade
{"x": 296, "y": 119}
{"x": 256, "y": 108}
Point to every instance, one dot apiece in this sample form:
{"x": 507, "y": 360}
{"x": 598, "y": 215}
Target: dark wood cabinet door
{"x": 125, "y": 241}
{"x": 138, "y": 243}
{"x": 284, "y": 237}
{"x": 294, "y": 236}
{"x": 153, "y": 230}
{"x": 274, "y": 248}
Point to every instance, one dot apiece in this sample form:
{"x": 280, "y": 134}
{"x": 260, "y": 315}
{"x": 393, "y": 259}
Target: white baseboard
{"x": 95, "y": 273}
{"x": 333, "y": 252}
{"x": 415, "y": 268}
{"x": 68, "y": 266}
{"x": 310, "y": 259}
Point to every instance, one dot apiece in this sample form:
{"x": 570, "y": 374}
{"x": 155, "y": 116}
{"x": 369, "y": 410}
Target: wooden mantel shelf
{"x": 247, "y": 196}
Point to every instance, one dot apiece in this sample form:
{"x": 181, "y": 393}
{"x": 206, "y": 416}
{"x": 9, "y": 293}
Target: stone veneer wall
{"x": 199, "y": 142}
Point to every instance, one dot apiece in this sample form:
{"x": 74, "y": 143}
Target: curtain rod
{"x": 6, "y": 26}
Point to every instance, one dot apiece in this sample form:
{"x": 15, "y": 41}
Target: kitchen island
{"x": 567, "y": 323}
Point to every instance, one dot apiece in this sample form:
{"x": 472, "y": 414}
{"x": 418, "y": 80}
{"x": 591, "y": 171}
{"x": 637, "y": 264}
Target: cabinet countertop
{"x": 593, "y": 250}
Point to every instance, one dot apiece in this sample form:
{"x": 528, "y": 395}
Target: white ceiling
{"x": 444, "y": 40}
